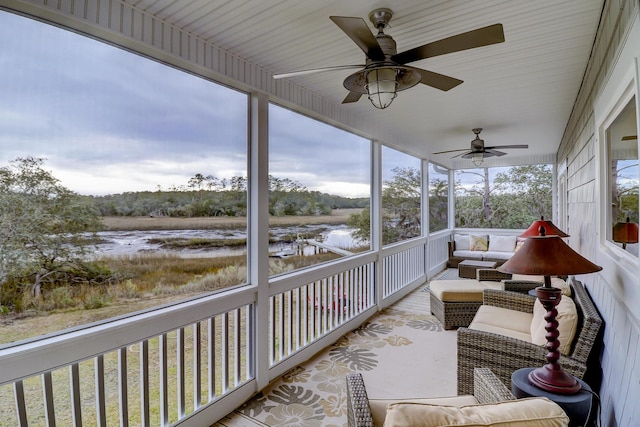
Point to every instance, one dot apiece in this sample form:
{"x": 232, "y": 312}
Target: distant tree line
{"x": 206, "y": 196}
{"x": 513, "y": 199}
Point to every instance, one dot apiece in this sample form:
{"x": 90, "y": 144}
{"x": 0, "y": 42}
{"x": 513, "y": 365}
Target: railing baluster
{"x": 164, "y": 380}
{"x": 180, "y": 372}
{"x": 289, "y": 302}
{"x": 225, "y": 352}
{"x": 101, "y": 412}
{"x": 272, "y": 331}
{"x": 144, "y": 383}
{"x": 47, "y": 391}
{"x": 21, "y": 407}
{"x": 237, "y": 362}
{"x": 299, "y": 318}
{"x": 197, "y": 365}
{"x": 250, "y": 359}
{"x": 74, "y": 388}
{"x": 123, "y": 395}
{"x": 211, "y": 357}
{"x": 281, "y": 334}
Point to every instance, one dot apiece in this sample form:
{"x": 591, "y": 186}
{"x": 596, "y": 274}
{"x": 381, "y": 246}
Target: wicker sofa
{"x": 498, "y": 249}
{"x": 365, "y": 412}
{"x": 504, "y": 354}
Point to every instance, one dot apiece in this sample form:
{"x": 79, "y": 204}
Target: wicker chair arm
{"x": 507, "y": 299}
{"x": 491, "y": 274}
{"x": 522, "y": 286}
{"x": 502, "y": 355}
{"x": 488, "y": 388}
{"x": 358, "y": 410}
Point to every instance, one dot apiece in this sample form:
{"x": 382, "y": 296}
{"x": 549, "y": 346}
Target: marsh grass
{"x": 143, "y": 281}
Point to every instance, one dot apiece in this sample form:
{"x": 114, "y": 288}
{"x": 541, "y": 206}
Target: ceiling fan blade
{"x": 466, "y": 155}
{"x": 488, "y": 152}
{"x": 504, "y": 147}
{"x": 315, "y": 70}
{"x": 629, "y": 137}
{"x": 438, "y": 81}
{"x": 359, "y": 32}
{"x": 352, "y": 97}
{"x": 451, "y": 151}
{"x": 476, "y": 38}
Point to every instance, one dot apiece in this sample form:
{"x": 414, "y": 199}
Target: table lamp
{"x": 625, "y": 232}
{"x": 550, "y": 229}
{"x": 548, "y": 255}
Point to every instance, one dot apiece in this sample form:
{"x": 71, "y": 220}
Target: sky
{"x": 108, "y": 121}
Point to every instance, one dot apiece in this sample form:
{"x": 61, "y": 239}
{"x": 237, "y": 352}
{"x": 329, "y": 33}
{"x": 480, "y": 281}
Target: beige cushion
{"x": 463, "y": 290}
{"x": 462, "y": 242}
{"x": 492, "y": 284}
{"x": 479, "y": 243}
{"x": 556, "y": 282}
{"x": 567, "y": 324}
{"x": 379, "y": 406}
{"x": 527, "y": 277}
{"x": 502, "y": 243}
{"x": 530, "y": 412}
{"x": 502, "y": 321}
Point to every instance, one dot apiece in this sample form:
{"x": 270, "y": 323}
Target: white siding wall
{"x": 616, "y": 290}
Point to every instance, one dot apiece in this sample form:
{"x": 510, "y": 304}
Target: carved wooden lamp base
{"x": 551, "y": 377}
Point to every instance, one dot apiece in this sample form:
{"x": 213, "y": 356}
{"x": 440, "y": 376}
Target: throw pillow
{"x": 530, "y": 412}
{"x": 479, "y": 243}
{"x": 567, "y": 319}
{"x": 502, "y": 243}
{"x": 519, "y": 244}
{"x": 462, "y": 242}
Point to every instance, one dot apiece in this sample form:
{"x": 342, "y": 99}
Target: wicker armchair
{"x": 493, "y": 275}
{"x": 505, "y": 355}
{"x": 488, "y": 389}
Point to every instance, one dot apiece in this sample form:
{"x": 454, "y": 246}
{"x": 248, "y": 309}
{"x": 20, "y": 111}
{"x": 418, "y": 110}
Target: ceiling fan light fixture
{"x": 382, "y": 86}
{"x": 477, "y": 159}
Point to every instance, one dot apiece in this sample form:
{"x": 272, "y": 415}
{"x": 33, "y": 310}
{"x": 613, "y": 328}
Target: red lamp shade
{"x": 549, "y": 227}
{"x": 625, "y": 232}
{"x": 550, "y": 256}
{"x": 547, "y": 256}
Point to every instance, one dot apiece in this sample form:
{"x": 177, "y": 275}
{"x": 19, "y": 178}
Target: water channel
{"x": 134, "y": 242}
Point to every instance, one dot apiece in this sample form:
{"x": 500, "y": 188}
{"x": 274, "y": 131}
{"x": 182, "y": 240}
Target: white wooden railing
{"x": 194, "y": 361}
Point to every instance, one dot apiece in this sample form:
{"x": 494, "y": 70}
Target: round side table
{"x": 577, "y": 406}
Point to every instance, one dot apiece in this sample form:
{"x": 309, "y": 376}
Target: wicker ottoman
{"x": 455, "y": 302}
{"x": 468, "y": 267}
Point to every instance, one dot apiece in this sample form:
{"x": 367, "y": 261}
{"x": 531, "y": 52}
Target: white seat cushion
{"x": 379, "y": 406}
{"x": 529, "y": 412}
{"x": 502, "y": 321}
{"x": 502, "y": 243}
{"x": 468, "y": 254}
{"x": 497, "y": 255}
{"x": 462, "y": 242}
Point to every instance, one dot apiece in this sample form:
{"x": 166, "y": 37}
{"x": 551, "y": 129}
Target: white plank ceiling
{"x": 520, "y": 91}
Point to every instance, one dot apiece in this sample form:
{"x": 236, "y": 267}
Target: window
{"x": 622, "y": 151}
{"x": 503, "y": 197}
{"x": 318, "y": 191}
{"x": 438, "y": 197}
{"x": 401, "y": 196}
{"x": 151, "y": 158}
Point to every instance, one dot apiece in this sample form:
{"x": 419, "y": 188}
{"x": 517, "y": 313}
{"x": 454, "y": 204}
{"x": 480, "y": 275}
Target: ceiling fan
{"x": 478, "y": 151}
{"x": 385, "y": 71}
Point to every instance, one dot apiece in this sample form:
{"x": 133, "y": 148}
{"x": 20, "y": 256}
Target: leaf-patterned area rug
{"x": 402, "y": 351}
